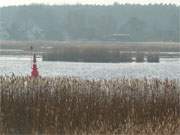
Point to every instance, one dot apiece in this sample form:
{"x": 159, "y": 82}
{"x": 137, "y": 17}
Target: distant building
{"x": 119, "y": 37}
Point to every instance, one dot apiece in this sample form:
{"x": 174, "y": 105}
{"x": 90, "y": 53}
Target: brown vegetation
{"x": 113, "y": 52}
{"x": 74, "y": 106}
{"x": 85, "y": 45}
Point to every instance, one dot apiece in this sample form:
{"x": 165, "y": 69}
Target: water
{"x": 167, "y": 68}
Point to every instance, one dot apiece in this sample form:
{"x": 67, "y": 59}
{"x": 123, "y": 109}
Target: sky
{"x": 60, "y": 2}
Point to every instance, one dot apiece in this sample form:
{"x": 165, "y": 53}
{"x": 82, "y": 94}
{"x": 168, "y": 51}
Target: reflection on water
{"x": 167, "y": 68}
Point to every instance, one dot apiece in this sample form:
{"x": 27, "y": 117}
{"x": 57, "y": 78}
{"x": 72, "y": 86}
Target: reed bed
{"x": 60, "y": 105}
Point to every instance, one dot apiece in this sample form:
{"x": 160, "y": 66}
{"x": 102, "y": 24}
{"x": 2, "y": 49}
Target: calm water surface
{"x": 21, "y": 65}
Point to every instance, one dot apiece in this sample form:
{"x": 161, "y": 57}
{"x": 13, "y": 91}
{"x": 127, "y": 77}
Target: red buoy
{"x": 34, "y": 72}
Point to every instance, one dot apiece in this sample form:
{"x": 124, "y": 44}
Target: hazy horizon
{"x": 92, "y": 2}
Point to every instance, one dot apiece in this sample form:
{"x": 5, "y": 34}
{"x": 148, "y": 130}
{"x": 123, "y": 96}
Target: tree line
{"x": 132, "y": 23}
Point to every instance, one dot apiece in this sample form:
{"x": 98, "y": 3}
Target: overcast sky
{"x": 22, "y": 2}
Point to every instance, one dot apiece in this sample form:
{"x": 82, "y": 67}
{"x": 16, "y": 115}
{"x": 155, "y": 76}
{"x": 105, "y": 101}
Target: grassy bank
{"x": 74, "y": 106}
{"x": 46, "y": 46}
{"x": 85, "y": 51}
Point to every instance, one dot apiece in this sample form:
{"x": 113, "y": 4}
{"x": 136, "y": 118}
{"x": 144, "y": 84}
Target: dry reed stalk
{"x": 74, "y": 106}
